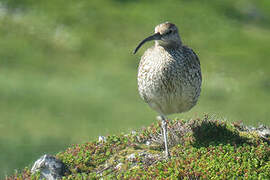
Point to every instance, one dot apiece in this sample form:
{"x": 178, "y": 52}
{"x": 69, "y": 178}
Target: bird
{"x": 169, "y": 75}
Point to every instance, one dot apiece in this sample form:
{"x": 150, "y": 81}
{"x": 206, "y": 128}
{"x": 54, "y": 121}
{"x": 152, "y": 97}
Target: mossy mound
{"x": 205, "y": 148}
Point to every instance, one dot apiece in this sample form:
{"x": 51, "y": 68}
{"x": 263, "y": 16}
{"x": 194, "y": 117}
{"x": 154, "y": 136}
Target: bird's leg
{"x": 165, "y": 135}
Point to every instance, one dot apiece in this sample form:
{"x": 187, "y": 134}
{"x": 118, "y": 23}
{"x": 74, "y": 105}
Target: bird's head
{"x": 166, "y": 34}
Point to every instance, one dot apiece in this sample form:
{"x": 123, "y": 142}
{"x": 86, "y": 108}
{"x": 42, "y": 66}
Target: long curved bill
{"x": 156, "y": 36}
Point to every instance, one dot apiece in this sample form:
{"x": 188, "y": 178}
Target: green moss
{"x": 202, "y": 148}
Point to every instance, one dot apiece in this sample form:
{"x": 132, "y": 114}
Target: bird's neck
{"x": 170, "y": 44}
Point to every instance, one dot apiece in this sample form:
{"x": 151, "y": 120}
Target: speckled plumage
{"x": 169, "y": 75}
{"x": 169, "y": 78}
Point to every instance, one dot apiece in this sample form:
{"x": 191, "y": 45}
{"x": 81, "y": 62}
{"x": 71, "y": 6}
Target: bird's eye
{"x": 169, "y": 32}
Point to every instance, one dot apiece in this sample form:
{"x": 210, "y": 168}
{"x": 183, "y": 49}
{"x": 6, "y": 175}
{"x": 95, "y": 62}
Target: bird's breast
{"x": 166, "y": 80}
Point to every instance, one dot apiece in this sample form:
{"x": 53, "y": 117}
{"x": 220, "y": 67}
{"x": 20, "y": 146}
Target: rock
{"x": 102, "y": 139}
{"x": 265, "y": 133}
{"x": 251, "y": 128}
{"x": 131, "y": 157}
{"x": 261, "y": 127}
{"x": 50, "y": 168}
{"x": 147, "y": 143}
{"x": 118, "y": 166}
{"x": 262, "y": 130}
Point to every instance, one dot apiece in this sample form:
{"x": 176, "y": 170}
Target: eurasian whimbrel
{"x": 169, "y": 75}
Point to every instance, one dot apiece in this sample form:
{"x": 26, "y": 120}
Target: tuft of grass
{"x": 202, "y": 148}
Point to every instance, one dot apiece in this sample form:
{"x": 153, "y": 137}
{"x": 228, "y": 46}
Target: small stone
{"x": 118, "y": 166}
{"x": 102, "y": 139}
{"x": 251, "y": 128}
{"x": 265, "y": 133}
{"x": 131, "y": 157}
{"x": 50, "y": 168}
{"x": 261, "y": 127}
{"x": 147, "y": 143}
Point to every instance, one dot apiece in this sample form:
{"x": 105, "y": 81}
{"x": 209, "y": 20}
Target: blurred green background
{"x": 68, "y": 75}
